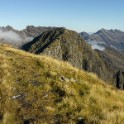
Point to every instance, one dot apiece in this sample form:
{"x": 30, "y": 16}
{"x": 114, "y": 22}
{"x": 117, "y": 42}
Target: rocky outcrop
{"x": 119, "y": 80}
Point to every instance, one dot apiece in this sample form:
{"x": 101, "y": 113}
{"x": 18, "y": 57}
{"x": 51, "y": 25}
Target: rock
{"x": 73, "y": 80}
{"x": 35, "y": 83}
{"x": 46, "y": 96}
{"x": 20, "y": 96}
{"x": 120, "y": 80}
{"x": 16, "y": 97}
{"x": 1, "y": 116}
{"x": 64, "y": 79}
{"x": 26, "y": 122}
{"x": 80, "y": 120}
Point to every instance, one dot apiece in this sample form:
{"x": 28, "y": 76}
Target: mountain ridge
{"x": 111, "y": 38}
{"x": 70, "y": 47}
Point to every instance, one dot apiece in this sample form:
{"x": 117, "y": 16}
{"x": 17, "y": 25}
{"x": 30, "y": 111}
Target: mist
{"x": 10, "y": 36}
{"x": 97, "y": 45}
{"x": 13, "y": 37}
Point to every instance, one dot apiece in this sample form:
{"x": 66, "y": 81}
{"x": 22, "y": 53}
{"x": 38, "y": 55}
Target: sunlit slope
{"x": 41, "y": 90}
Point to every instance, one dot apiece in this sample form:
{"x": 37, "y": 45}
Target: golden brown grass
{"x": 53, "y": 92}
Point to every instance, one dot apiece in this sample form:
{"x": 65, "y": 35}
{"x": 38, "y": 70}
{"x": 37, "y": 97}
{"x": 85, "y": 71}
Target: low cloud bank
{"x": 97, "y": 45}
{"x": 10, "y": 36}
{"x": 13, "y": 37}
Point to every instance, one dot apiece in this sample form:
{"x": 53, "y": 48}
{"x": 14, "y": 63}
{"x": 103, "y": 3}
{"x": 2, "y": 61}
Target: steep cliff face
{"x": 68, "y": 45}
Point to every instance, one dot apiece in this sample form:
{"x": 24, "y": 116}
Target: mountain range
{"x": 106, "y": 38}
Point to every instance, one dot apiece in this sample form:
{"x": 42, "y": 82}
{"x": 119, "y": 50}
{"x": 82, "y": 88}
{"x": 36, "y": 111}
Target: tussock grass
{"x": 42, "y": 90}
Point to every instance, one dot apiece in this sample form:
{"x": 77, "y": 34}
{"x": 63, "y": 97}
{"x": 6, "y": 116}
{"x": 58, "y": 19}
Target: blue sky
{"x": 79, "y": 15}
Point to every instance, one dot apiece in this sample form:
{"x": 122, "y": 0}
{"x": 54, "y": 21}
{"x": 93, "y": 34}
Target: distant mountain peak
{"x": 85, "y": 35}
{"x": 112, "y": 37}
{"x": 101, "y": 31}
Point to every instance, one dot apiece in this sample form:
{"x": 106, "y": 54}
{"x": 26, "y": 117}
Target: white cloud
{"x": 97, "y": 45}
{"x": 10, "y": 36}
{"x": 13, "y": 38}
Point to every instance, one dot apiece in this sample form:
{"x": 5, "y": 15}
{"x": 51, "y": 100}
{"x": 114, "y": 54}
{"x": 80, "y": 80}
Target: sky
{"x": 78, "y": 15}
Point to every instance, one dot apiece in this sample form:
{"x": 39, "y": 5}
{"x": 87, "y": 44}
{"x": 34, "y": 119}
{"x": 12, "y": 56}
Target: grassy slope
{"x": 45, "y": 91}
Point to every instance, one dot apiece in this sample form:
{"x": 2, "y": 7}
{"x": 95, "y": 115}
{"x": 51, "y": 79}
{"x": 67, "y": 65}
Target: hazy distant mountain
{"x": 85, "y": 35}
{"x": 111, "y": 38}
{"x": 34, "y": 31}
{"x": 113, "y": 58}
{"x": 18, "y": 38}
